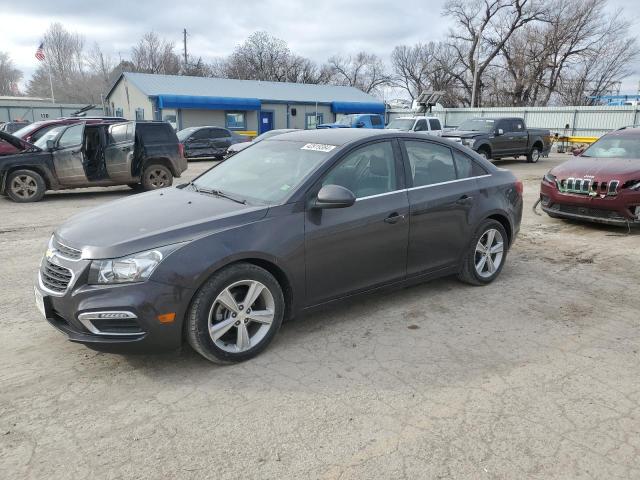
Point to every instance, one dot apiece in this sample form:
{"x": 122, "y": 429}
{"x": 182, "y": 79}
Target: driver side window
{"x": 367, "y": 171}
{"x": 71, "y": 137}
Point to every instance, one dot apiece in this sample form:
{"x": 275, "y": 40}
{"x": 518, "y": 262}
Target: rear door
{"x": 441, "y": 201}
{"x": 68, "y": 157}
{"x": 119, "y": 153}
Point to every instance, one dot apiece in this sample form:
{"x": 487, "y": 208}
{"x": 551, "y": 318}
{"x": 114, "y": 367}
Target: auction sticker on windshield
{"x": 318, "y": 147}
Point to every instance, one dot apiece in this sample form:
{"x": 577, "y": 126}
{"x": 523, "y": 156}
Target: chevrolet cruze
{"x": 286, "y": 225}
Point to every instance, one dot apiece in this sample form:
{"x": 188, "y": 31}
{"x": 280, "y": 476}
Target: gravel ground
{"x": 534, "y": 376}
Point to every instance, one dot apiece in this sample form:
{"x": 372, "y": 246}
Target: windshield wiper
{"x": 218, "y": 193}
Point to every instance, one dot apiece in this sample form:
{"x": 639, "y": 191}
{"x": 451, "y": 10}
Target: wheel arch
{"x": 164, "y": 161}
{"x": 484, "y": 147}
{"x": 503, "y": 219}
{"x": 38, "y": 169}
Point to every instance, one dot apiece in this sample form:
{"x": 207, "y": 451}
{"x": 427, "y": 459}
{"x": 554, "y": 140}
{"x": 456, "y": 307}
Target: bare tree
{"x": 482, "y": 29}
{"x": 155, "y": 55}
{"x": 9, "y": 75}
{"x": 365, "y": 71}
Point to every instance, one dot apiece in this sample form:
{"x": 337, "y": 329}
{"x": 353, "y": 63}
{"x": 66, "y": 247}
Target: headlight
{"x": 133, "y": 268}
{"x": 467, "y": 142}
{"x": 549, "y": 178}
{"x": 635, "y": 186}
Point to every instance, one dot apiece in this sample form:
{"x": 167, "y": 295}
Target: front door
{"x": 119, "y": 153}
{"x": 441, "y": 201}
{"x": 266, "y": 121}
{"x": 502, "y": 144}
{"x": 355, "y": 248}
{"x": 68, "y": 157}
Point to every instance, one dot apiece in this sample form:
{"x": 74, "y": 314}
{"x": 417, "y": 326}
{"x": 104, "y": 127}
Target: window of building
{"x": 434, "y": 124}
{"x": 369, "y": 170}
{"x": 376, "y": 120}
{"x": 312, "y": 120}
{"x": 139, "y": 113}
{"x": 430, "y": 163}
{"x": 236, "y": 120}
{"x": 119, "y": 112}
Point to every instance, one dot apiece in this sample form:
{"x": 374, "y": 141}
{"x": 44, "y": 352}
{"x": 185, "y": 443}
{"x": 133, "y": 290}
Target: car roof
{"x": 331, "y": 136}
{"x": 630, "y": 131}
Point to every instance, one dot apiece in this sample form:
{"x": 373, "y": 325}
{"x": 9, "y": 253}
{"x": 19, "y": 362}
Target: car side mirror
{"x": 50, "y": 145}
{"x": 500, "y": 132}
{"x": 359, "y": 124}
{"x": 334, "y": 196}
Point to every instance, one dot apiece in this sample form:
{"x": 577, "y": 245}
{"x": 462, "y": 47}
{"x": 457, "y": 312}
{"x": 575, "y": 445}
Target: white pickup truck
{"x": 428, "y": 125}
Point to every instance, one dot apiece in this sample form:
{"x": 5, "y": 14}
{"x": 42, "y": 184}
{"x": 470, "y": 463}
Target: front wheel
{"x": 485, "y": 153}
{"x": 235, "y": 314}
{"x": 156, "y": 176}
{"x": 25, "y": 186}
{"x": 534, "y": 155}
{"x": 485, "y": 258}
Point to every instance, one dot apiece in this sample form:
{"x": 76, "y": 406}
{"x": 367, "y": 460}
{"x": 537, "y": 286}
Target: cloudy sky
{"x": 313, "y": 29}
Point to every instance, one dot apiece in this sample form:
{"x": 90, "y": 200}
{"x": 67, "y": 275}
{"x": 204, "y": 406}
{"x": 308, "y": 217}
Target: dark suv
{"x": 202, "y": 142}
{"x": 138, "y": 154}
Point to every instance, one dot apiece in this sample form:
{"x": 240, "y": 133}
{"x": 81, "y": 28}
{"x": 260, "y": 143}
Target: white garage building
{"x": 241, "y": 105}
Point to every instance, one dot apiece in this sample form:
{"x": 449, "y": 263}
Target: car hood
{"x": 601, "y": 169}
{"x": 462, "y": 133}
{"x": 150, "y": 220}
{"x": 21, "y": 145}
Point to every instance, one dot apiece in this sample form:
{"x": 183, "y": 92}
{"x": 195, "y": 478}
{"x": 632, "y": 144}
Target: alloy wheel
{"x": 241, "y": 316}
{"x": 24, "y": 186}
{"x": 489, "y": 253}
{"x": 158, "y": 178}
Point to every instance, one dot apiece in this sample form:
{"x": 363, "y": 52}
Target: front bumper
{"x": 617, "y": 210}
{"x": 73, "y": 313}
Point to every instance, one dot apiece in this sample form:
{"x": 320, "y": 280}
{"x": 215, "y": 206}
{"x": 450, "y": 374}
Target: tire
{"x": 156, "y": 176}
{"x": 24, "y": 186}
{"x": 484, "y": 153}
{"x": 534, "y": 155}
{"x": 212, "y": 307}
{"x": 484, "y": 275}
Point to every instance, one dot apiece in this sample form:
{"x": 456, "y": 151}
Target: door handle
{"x": 464, "y": 200}
{"x": 395, "y": 217}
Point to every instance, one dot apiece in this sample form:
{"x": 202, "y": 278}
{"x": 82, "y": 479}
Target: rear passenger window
{"x": 375, "y": 120}
{"x": 155, "y": 133}
{"x": 219, "y": 133}
{"x": 202, "y": 134}
{"x": 466, "y": 167}
{"x": 430, "y": 163}
{"x": 434, "y": 124}
{"x": 367, "y": 171}
{"x": 421, "y": 126}
{"x": 518, "y": 126}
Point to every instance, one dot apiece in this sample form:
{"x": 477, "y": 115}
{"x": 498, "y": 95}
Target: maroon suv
{"x": 601, "y": 185}
{"x": 34, "y": 131}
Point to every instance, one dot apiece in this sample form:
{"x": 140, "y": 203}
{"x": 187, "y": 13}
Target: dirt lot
{"x": 534, "y": 376}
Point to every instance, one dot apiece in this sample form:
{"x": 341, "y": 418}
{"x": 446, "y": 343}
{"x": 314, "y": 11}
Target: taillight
{"x": 181, "y": 149}
{"x": 519, "y": 187}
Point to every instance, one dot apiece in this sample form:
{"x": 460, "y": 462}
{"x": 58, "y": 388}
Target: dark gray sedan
{"x": 296, "y": 221}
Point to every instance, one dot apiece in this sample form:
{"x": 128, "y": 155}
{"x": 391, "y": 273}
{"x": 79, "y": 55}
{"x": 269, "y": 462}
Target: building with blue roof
{"x": 241, "y": 105}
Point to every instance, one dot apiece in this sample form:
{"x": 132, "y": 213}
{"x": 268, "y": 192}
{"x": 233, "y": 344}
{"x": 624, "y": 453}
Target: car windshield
{"x": 184, "y": 134}
{"x": 346, "y": 120}
{"x": 404, "y": 124}
{"x": 614, "y": 147}
{"x": 266, "y": 173}
{"x": 50, "y": 135}
{"x": 477, "y": 125}
{"x": 24, "y": 131}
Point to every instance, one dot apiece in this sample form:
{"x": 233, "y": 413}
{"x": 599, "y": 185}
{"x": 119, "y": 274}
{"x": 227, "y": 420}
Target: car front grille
{"x": 587, "y": 186}
{"x": 55, "y": 277}
{"x": 65, "y": 251}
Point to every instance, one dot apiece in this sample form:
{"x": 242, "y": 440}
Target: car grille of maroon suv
{"x": 587, "y": 186}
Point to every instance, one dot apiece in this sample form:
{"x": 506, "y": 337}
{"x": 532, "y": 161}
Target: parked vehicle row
{"x": 139, "y": 154}
{"x": 294, "y": 222}
{"x": 360, "y": 120}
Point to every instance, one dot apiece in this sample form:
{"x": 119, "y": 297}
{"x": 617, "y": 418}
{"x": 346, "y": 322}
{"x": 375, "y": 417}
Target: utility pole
{"x": 184, "y": 34}
{"x": 475, "y": 70}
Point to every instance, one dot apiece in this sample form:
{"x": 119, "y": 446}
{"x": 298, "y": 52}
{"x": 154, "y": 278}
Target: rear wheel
{"x": 235, "y": 314}
{"x": 484, "y": 153}
{"x": 534, "y": 155}
{"x": 486, "y": 255}
{"x": 156, "y": 176}
{"x": 25, "y": 186}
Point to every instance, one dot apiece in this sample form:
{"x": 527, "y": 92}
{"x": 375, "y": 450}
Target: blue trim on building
{"x": 357, "y": 107}
{"x": 208, "y": 103}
